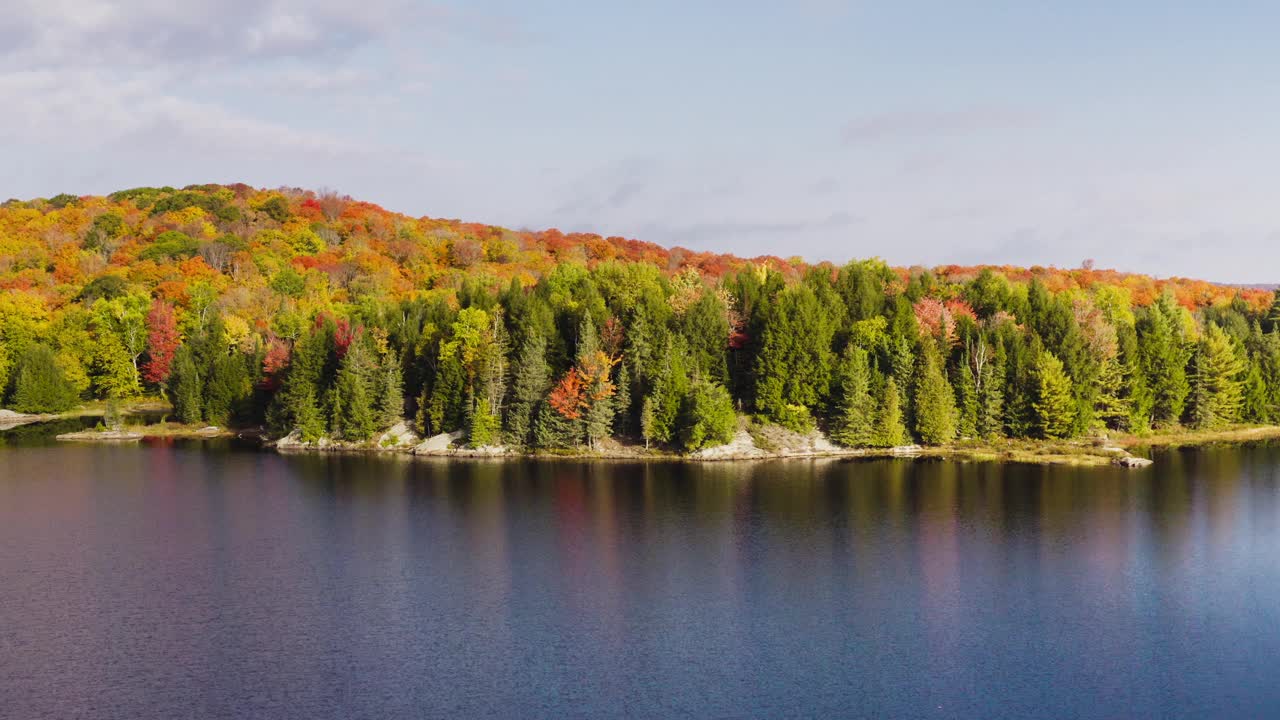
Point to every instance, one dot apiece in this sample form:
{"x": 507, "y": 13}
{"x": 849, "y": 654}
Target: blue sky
{"x": 1143, "y": 135}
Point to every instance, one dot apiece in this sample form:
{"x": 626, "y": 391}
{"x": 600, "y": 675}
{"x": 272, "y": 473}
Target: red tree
{"x": 274, "y": 362}
{"x": 162, "y": 342}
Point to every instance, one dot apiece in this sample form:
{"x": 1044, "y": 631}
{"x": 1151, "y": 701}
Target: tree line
{"x": 621, "y": 349}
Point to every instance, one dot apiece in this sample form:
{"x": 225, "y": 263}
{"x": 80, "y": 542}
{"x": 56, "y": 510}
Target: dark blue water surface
{"x": 173, "y": 580}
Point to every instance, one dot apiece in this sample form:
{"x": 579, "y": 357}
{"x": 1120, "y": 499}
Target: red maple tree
{"x": 162, "y": 342}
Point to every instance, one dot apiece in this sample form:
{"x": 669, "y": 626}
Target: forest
{"x": 310, "y": 312}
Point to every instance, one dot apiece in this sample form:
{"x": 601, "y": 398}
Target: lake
{"x": 212, "y": 580}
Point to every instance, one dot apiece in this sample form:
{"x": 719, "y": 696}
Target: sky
{"x": 1143, "y": 135}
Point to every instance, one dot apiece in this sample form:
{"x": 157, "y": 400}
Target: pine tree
{"x": 891, "y": 430}
{"x": 227, "y": 383}
{"x": 647, "y": 420}
{"x": 1218, "y": 389}
{"x": 529, "y": 388}
{"x": 966, "y": 401}
{"x": 485, "y": 427}
{"x": 622, "y": 401}
{"x": 902, "y": 364}
{"x": 853, "y": 419}
{"x": 390, "y": 408}
{"x": 352, "y": 413}
{"x": 1254, "y": 404}
{"x": 990, "y": 422}
{"x": 186, "y": 390}
{"x": 1054, "y": 407}
{"x": 1164, "y": 359}
{"x": 1111, "y": 404}
{"x": 935, "y": 405}
{"x": 794, "y": 364}
{"x": 39, "y": 384}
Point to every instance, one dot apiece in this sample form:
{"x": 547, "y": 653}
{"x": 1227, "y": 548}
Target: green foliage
{"x": 794, "y": 365}
{"x": 709, "y": 416}
{"x": 935, "y": 406}
{"x": 106, "y": 286}
{"x": 891, "y": 431}
{"x": 289, "y": 282}
{"x": 185, "y": 387}
{"x": 351, "y": 401}
{"x": 1112, "y": 407}
{"x": 853, "y": 420}
{"x": 1164, "y": 356}
{"x": 169, "y": 245}
{"x": 485, "y": 427}
{"x": 1218, "y": 389}
{"x": 1054, "y": 408}
{"x": 795, "y": 418}
{"x": 39, "y": 385}
{"x": 530, "y": 386}
{"x": 276, "y": 208}
{"x": 390, "y": 405}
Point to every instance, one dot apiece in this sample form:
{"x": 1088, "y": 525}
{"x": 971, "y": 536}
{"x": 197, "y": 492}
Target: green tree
{"x": 39, "y": 384}
{"x": 1218, "y": 388}
{"x": 966, "y": 400}
{"x": 530, "y": 386}
{"x": 185, "y": 387}
{"x": 647, "y": 419}
{"x": 891, "y": 431}
{"x": 935, "y": 404}
{"x": 794, "y": 364}
{"x": 1111, "y": 404}
{"x": 352, "y": 415}
{"x": 390, "y": 406}
{"x": 485, "y": 428}
{"x": 709, "y": 416}
{"x": 854, "y": 415}
{"x": 1053, "y": 404}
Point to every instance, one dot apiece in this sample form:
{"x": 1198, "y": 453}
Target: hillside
{"x": 314, "y": 311}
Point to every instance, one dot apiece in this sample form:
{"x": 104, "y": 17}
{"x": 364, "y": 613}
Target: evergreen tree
{"x": 227, "y": 384}
{"x": 669, "y": 390}
{"x": 990, "y": 422}
{"x": 1164, "y": 360}
{"x": 1111, "y": 404}
{"x": 485, "y": 427}
{"x": 1218, "y": 387}
{"x": 891, "y": 431}
{"x": 352, "y": 414}
{"x": 794, "y": 364}
{"x": 622, "y": 401}
{"x": 39, "y": 385}
{"x": 935, "y": 407}
{"x": 1054, "y": 407}
{"x": 186, "y": 391}
{"x": 532, "y": 380}
{"x": 1254, "y": 406}
{"x": 444, "y": 405}
{"x": 390, "y": 408}
{"x": 966, "y": 400}
{"x": 853, "y": 417}
{"x": 648, "y": 417}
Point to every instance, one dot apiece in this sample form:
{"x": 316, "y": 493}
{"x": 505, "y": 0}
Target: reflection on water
{"x": 178, "y": 579}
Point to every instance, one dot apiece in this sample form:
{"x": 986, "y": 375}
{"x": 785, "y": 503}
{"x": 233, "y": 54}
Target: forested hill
{"x": 316, "y": 312}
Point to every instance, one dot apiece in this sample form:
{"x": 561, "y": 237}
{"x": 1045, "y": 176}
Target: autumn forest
{"x": 317, "y": 315}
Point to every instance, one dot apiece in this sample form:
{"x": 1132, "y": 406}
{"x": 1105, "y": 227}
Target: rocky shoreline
{"x": 752, "y": 442}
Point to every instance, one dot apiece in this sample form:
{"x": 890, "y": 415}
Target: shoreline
{"x": 1119, "y": 450}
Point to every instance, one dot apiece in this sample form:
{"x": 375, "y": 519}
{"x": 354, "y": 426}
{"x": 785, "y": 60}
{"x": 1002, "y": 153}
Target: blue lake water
{"x": 206, "y": 580}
